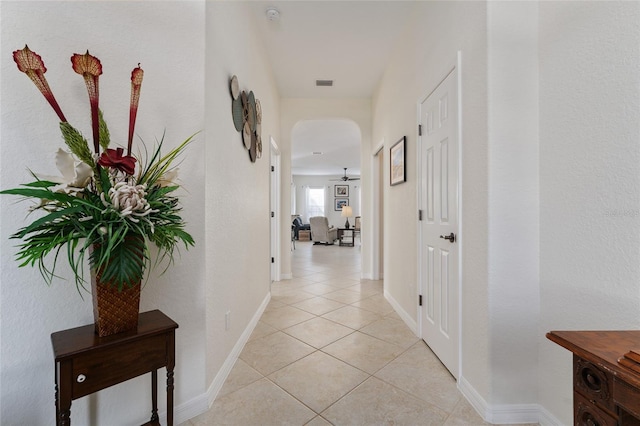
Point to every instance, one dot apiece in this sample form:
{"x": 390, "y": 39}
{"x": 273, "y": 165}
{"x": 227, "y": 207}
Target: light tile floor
{"x": 329, "y": 349}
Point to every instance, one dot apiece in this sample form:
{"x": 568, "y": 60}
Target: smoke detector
{"x": 273, "y": 14}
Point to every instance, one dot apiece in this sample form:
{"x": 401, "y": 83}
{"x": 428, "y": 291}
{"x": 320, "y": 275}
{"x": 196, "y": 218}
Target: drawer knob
{"x": 591, "y": 379}
{"x": 81, "y": 378}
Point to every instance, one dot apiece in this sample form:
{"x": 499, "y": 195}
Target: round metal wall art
{"x": 251, "y": 113}
{"x": 245, "y": 105}
{"x": 259, "y": 146}
{"x": 258, "y": 112}
{"x": 252, "y": 150}
{"x": 247, "y": 118}
{"x": 246, "y": 135}
{"x": 234, "y": 86}
{"x": 238, "y": 114}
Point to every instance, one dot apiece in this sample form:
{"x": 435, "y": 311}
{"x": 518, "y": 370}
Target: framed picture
{"x": 341, "y": 202}
{"x": 397, "y": 159}
{"x": 341, "y": 190}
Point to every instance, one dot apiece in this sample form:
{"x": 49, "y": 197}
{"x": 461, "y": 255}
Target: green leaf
{"x": 51, "y": 217}
{"x": 105, "y": 182}
{"x": 40, "y": 193}
{"x": 40, "y": 184}
{"x": 77, "y": 144}
{"x": 122, "y": 265}
{"x": 104, "y": 131}
{"x": 160, "y": 164}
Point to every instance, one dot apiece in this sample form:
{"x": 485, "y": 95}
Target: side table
{"x": 86, "y": 363}
{"x": 341, "y": 237}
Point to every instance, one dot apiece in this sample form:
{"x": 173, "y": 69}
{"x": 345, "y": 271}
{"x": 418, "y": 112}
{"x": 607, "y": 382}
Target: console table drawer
{"x": 593, "y": 383}
{"x": 627, "y": 397}
{"x": 96, "y": 370}
{"x": 588, "y": 414}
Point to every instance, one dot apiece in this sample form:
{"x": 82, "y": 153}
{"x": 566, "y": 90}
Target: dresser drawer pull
{"x": 81, "y": 378}
{"x": 591, "y": 380}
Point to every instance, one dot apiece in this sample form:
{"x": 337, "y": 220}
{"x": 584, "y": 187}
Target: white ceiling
{"x": 336, "y": 141}
{"x": 349, "y": 42}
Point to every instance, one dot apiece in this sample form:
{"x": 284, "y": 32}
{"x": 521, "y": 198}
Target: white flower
{"x": 76, "y": 175}
{"x": 168, "y": 178}
{"x": 129, "y": 200}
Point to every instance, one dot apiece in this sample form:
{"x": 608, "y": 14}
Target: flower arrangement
{"x": 106, "y": 203}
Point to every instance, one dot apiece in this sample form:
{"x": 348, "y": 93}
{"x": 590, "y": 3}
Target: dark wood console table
{"x": 86, "y": 363}
{"x": 606, "y": 382}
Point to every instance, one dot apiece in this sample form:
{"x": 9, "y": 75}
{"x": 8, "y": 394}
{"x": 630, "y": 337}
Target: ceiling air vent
{"x": 324, "y": 83}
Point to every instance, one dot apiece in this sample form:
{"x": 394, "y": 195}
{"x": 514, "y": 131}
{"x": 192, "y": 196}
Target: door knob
{"x": 451, "y": 237}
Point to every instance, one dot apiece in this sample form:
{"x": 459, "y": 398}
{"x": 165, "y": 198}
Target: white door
{"x": 439, "y": 225}
{"x": 275, "y": 209}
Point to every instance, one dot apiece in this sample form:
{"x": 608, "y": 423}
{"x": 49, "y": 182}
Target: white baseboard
{"x": 187, "y": 410}
{"x": 228, "y": 364}
{"x": 366, "y": 277}
{"x": 514, "y": 414}
{"x": 203, "y": 402}
{"x": 411, "y": 323}
{"x": 505, "y": 413}
{"x": 286, "y": 276}
{"x": 548, "y": 419}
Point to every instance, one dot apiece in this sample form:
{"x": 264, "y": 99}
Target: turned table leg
{"x": 171, "y": 362}
{"x": 154, "y": 396}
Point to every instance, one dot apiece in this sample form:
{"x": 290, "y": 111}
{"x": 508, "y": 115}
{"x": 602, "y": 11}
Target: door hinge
{"x": 273, "y": 214}
{"x": 419, "y": 129}
{"x": 273, "y": 260}
{"x": 420, "y": 300}
{"x": 419, "y": 214}
{"x": 273, "y": 169}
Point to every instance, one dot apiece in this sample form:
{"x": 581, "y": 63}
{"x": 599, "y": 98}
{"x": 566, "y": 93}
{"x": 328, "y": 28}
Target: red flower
{"x": 32, "y": 65}
{"x": 90, "y": 68}
{"x": 113, "y": 158}
{"x": 136, "y": 84}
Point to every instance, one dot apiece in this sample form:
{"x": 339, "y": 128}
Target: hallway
{"x": 329, "y": 349}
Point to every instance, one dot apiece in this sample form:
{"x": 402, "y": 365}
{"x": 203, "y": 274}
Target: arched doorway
{"x": 326, "y": 157}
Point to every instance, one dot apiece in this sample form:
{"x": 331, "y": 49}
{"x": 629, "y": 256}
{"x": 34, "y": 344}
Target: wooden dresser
{"x": 606, "y": 377}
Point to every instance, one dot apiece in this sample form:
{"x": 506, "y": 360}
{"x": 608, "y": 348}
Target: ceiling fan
{"x": 345, "y": 178}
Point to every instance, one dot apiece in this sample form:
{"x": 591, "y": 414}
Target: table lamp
{"x": 346, "y": 212}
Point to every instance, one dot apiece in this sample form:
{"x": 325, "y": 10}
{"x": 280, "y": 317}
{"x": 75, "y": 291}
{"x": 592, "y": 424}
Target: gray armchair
{"x": 321, "y": 232}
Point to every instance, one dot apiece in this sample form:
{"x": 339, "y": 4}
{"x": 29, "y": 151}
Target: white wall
{"x": 121, "y": 34}
{"x": 304, "y": 181}
{"x": 422, "y": 59}
{"x": 513, "y": 203}
{"x": 550, "y": 201}
{"x": 589, "y": 179}
{"x": 237, "y": 205}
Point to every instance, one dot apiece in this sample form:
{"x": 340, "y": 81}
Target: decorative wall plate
{"x": 234, "y": 86}
{"x": 251, "y": 113}
{"x": 258, "y": 112}
{"x": 245, "y": 104}
{"x": 246, "y": 111}
{"x": 259, "y": 146}
{"x": 246, "y": 135}
{"x": 238, "y": 114}
{"x": 252, "y": 150}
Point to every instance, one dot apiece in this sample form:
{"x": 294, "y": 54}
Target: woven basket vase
{"x": 114, "y": 311}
